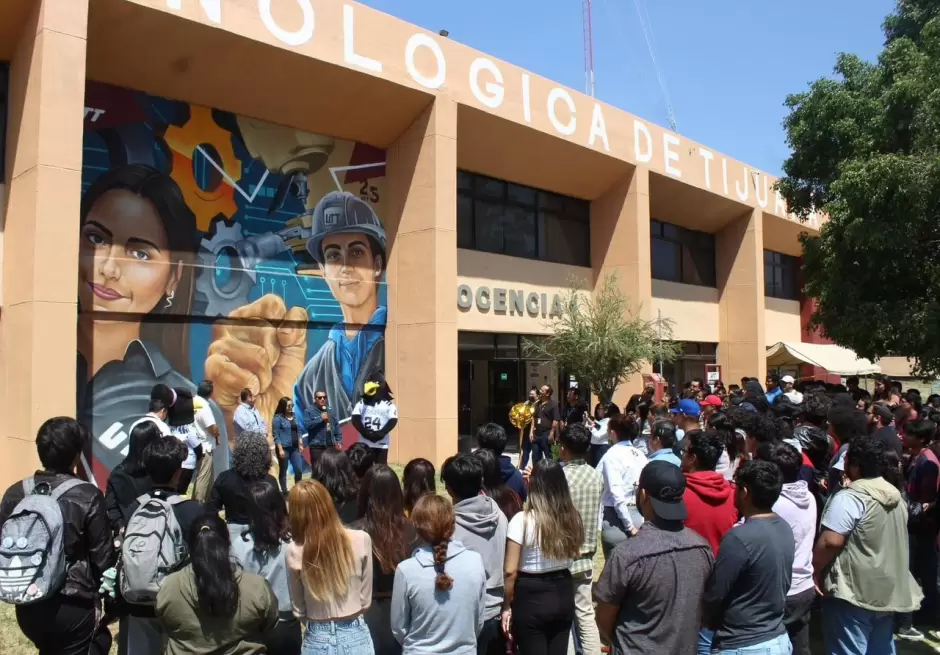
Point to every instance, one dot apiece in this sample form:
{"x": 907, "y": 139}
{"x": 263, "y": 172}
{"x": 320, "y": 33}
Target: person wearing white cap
{"x": 795, "y": 396}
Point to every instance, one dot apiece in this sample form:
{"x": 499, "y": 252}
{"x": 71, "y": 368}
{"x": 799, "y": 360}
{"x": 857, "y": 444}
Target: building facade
{"x": 288, "y": 195}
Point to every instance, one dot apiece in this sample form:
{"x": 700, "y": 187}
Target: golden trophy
{"x": 520, "y": 416}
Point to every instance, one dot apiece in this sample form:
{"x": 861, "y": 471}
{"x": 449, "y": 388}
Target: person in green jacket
{"x": 211, "y": 605}
{"x": 860, "y": 562}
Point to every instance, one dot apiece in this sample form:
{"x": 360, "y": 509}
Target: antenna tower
{"x": 588, "y": 47}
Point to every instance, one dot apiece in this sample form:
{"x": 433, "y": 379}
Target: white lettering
{"x": 780, "y": 207}
{"x": 349, "y": 44}
{"x": 494, "y": 95}
{"x": 757, "y": 184}
{"x": 638, "y": 128}
{"x": 296, "y": 38}
{"x": 742, "y": 195}
{"x": 724, "y": 174}
{"x": 554, "y": 96}
{"x": 707, "y": 156}
{"x": 93, "y": 114}
{"x": 598, "y": 128}
{"x": 212, "y": 8}
{"x": 424, "y": 41}
{"x": 670, "y": 155}
{"x": 526, "y": 103}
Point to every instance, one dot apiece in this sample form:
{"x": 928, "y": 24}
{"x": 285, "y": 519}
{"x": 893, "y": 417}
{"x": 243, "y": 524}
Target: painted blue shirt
{"x": 350, "y": 353}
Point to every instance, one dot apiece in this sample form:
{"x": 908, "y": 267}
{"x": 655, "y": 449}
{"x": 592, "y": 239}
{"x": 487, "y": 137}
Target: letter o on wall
{"x": 484, "y": 299}
{"x": 532, "y": 304}
{"x": 464, "y": 297}
{"x": 423, "y": 40}
{"x": 287, "y": 37}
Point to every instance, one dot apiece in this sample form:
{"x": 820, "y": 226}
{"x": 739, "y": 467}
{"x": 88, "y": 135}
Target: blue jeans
{"x": 776, "y": 646}
{"x": 343, "y": 637}
{"x": 851, "y": 630}
{"x": 705, "y": 637}
{"x": 292, "y": 455}
{"x": 539, "y": 448}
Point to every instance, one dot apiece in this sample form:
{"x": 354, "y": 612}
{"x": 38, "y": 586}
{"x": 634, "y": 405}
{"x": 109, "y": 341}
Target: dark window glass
{"x": 682, "y": 255}
{"x": 516, "y": 220}
{"x": 4, "y": 82}
{"x": 780, "y": 275}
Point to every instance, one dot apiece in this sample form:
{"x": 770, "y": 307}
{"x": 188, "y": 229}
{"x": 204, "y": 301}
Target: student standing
{"x": 129, "y": 479}
{"x": 65, "y": 623}
{"x": 335, "y": 472}
{"x": 543, "y": 541}
{"x": 251, "y": 461}
{"x": 746, "y": 594}
{"x": 663, "y": 440}
{"x": 923, "y": 484}
{"x": 209, "y": 438}
{"x": 620, "y": 470}
{"x": 492, "y": 437}
{"x": 650, "y": 592}
{"x": 481, "y": 527}
{"x": 287, "y": 442}
{"x": 709, "y": 497}
{"x": 330, "y": 574}
{"x": 417, "y": 480}
{"x": 439, "y": 595}
{"x": 586, "y": 486}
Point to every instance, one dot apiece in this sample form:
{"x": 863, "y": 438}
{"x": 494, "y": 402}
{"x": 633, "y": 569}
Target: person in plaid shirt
{"x": 586, "y": 486}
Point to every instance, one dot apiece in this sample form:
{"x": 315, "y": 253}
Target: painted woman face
{"x": 124, "y": 262}
{"x": 351, "y": 269}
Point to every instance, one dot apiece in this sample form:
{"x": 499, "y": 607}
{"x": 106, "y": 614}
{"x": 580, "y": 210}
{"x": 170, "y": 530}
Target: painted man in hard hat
{"x": 348, "y": 242}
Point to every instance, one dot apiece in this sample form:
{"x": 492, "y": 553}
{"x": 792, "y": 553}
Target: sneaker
{"x": 934, "y": 634}
{"x": 910, "y": 634}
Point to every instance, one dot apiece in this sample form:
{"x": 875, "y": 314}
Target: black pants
{"x": 796, "y": 620}
{"x": 596, "y": 452}
{"x": 285, "y": 639}
{"x": 64, "y": 626}
{"x": 491, "y": 640}
{"x": 538, "y": 449}
{"x": 379, "y": 619}
{"x": 380, "y": 455}
{"x": 542, "y": 613}
{"x": 186, "y": 476}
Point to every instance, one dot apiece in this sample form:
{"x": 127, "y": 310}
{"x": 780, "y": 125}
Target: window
{"x": 780, "y": 275}
{"x": 519, "y": 221}
{"x": 681, "y": 255}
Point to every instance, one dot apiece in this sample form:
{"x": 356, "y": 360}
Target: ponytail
{"x": 213, "y": 570}
{"x": 443, "y": 582}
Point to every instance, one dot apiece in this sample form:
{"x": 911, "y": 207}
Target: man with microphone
{"x": 323, "y": 430}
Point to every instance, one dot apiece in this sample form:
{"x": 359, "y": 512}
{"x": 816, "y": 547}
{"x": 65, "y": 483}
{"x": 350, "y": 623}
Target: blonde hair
{"x": 328, "y": 560}
{"x": 560, "y": 531}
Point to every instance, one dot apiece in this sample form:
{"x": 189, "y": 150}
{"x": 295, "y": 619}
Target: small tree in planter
{"x": 601, "y": 339}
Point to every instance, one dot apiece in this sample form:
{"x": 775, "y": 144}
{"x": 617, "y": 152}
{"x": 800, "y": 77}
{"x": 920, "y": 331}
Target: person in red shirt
{"x": 708, "y": 496}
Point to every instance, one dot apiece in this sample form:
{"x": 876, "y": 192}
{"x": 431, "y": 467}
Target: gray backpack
{"x": 32, "y": 545}
{"x": 153, "y": 548}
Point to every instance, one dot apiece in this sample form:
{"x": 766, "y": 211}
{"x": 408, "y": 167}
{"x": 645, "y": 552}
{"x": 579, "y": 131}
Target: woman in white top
{"x": 598, "y": 426}
{"x": 620, "y": 468}
{"x": 541, "y": 543}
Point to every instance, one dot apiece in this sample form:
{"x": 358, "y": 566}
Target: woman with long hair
{"x": 335, "y": 472}
{"x": 493, "y": 486}
{"x": 262, "y": 549}
{"x": 287, "y": 442}
{"x": 439, "y": 595}
{"x": 542, "y": 542}
{"x": 211, "y": 605}
{"x": 130, "y": 480}
{"x": 735, "y": 446}
{"x": 329, "y": 573}
{"x": 603, "y": 412}
{"x": 251, "y": 461}
{"x": 375, "y": 416}
{"x": 417, "y": 480}
{"x": 382, "y": 512}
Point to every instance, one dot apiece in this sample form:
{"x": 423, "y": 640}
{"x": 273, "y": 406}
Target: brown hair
{"x": 433, "y": 518}
{"x": 328, "y": 560}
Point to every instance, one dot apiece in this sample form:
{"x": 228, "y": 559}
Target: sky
{"x": 728, "y": 64}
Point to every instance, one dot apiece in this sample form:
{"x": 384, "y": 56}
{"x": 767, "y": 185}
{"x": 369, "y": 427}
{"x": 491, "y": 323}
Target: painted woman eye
{"x": 139, "y": 255}
{"x": 95, "y": 239}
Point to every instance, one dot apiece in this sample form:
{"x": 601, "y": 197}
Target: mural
{"x": 220, "y": 247}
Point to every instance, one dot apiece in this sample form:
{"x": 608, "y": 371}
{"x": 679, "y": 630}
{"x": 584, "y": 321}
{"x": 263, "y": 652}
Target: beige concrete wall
{"x": 896, "y": 367}
{"x": 476, "y": 269}
{"x": 693, "y": 309}
{"x": 782, "y": 321}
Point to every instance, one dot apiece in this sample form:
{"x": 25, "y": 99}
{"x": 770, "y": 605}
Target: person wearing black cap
{"x": 649, "y": 594}
{"x": 746, "y": 596}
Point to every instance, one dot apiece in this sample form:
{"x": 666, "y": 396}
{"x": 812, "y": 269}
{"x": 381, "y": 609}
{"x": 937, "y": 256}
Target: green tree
{"x": 601, "y": 339}
{"x": 866, "y": 152}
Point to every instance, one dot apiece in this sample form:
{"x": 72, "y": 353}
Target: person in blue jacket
{"x": 323, "y": 430}
{"x": 287, "y": 442}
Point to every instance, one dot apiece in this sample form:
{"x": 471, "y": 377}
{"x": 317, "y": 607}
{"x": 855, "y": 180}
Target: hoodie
{"x": 481, "y": 527}
{"x": 797, "y": 506}
{"x": 512, "y": 477}
{"x": 426, "y": 621}
{"x": 709, "y": 502}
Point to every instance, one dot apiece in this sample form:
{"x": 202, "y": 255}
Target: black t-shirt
{"x": 382, "y": 582}
{"x": 746, "y": 595}
{"x": 888, "y": 436}
{"x": 545, "y": 414}
{"x": 230, "y": 493}
{"x": 575, "y": 414}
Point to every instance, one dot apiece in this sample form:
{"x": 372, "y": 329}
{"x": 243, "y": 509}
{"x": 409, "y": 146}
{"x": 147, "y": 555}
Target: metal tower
{"x": 588, "y": 47}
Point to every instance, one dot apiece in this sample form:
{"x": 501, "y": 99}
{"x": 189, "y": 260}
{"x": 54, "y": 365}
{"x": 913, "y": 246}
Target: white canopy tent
{"x": 835, "y": 359}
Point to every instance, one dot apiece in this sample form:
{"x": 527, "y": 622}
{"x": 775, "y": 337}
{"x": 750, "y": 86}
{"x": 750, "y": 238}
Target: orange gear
{"x": 201, "y": 129}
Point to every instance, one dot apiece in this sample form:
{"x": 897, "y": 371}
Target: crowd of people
{"x": 726, "y": 517}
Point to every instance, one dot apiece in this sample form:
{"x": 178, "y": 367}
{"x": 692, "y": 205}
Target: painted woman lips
{"x": 105, "y": 292}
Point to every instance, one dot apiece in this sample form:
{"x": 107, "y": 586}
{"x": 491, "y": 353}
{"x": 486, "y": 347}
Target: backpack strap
{"x": 175, "y": 499}
{"x": 65, "y": 487}
{"x": 29, "y": 485}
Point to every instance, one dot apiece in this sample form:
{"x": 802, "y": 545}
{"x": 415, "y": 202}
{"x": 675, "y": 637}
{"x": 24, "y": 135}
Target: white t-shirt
{"x": 375, "y": 417}
{"x": 599, "y": 435}
{"x": 531, "y": 559}
{"x": 189, "y": 436}
{"x": 205, "y": 419}
{"x": 163, "y": 427}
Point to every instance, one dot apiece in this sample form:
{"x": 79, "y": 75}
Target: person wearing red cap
{"x": 710, "y": 405}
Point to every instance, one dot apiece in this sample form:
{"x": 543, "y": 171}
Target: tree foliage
{"x": 866, "y": 152}
{"x": 601, "y": 339}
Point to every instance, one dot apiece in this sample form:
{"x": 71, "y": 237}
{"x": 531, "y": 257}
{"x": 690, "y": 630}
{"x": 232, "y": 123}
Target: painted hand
{"x": 263, "y": 349}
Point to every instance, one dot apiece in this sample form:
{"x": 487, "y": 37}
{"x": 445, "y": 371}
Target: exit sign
{"x": 503, "y": 377}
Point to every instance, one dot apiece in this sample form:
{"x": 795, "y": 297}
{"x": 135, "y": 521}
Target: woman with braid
{"x": 439, "y": 593}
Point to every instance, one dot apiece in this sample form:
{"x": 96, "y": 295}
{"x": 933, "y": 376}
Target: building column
{"x": 620, "y": 244}
{"x": 421, "y": 335}
{"x": 740, "y": 266}
{"x": 41, "y": 229}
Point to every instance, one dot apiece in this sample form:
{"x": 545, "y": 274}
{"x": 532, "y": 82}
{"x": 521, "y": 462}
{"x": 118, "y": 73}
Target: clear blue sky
{"x": 728, "y": 64}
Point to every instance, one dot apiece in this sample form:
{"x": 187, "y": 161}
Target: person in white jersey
{"x": 375, "y": 416}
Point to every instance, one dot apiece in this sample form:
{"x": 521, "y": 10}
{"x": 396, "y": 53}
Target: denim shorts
{"x": 342, "y": 637}
{"x": 776, "y": 646}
